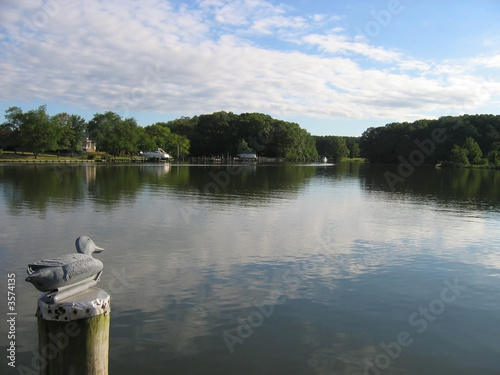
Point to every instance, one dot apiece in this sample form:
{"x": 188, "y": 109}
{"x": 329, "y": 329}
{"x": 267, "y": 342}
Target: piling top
{"x": 87, "y": 304}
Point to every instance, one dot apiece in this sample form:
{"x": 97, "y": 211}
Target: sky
{"x": 334, "y": 67}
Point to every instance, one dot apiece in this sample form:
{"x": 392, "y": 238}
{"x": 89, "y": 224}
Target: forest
{"x": 225, "y": 133}
{"x": 451, "y": 140}
{"x": 217, "y": 134}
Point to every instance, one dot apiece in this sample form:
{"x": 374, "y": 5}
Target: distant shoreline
{"x": 10, "y": 157}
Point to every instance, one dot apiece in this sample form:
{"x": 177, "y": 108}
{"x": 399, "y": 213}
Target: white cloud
{"x": 270, "y": 24}
{"x": 489, "y": 62}
{"x": 339, "y": 44}
{"x": 149, "y": 56}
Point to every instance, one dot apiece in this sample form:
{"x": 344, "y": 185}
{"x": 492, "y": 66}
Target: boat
{"x": 248, "y": 156}
{"x": 157, "y": 154}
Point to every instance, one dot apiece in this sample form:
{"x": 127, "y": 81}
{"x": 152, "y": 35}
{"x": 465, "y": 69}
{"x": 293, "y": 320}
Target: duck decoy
{"x": 70, "y": 273}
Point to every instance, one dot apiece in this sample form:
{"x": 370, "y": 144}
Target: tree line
{"x": 217, "y": 134}
{"x": 450, "y": 140}
{"x": 461, "y": 140}
{"x": 225, "y": 133}
{"x": 37, "y": 132}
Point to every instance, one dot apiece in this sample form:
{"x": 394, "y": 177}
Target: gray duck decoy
{"x": 52, "y": 274}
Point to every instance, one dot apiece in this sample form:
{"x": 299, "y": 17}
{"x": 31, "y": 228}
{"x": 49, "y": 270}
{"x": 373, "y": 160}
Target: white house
{"x": 88, "y": 145}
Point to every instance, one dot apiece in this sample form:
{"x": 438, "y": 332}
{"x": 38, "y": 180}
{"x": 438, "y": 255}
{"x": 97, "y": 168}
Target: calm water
{"x": 290, "y": 269}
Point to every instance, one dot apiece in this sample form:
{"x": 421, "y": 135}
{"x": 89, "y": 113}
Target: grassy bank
{"x": 27, "y": 157}
{"x": 19, "y": 157}
{"x": 354, "y": 160}
{"x": 469, "y": 166}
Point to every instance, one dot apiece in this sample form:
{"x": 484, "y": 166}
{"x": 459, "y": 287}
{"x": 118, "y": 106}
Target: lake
{"x": 269, "y": 269}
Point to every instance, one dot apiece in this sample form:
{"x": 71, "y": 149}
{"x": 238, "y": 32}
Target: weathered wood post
{"x": 73, "y": 334}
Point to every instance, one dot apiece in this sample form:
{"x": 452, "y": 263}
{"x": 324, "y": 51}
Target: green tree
{"x": 352, "y": 144}
{"x": 493, "y": 157}
{"x": 336, "y": 148}
{"x": 78, "y": 126}
{"x": 474, "y": 153}
{"x": 243, "y": 147}
{"x": 459, "y": 155}
{"x": 62, "y": 121}
{"x": 256, "y": 130}
{"x": 144, "y": 140}
{"x": 72, "y": 130}
{"x": 162, "y": 137}
{"x": 215, "y": 134}
{"x": 38, "y": 132}
{"x": 375, "y": 146}
{"x": 355, "y": 150}
{"x": 124, "y": 137}
{"x": 9, "y": 130}
{"x": 100, "y": 130}
{"x": 281, "y": 140}
{"x": 333, "y": 147}
{"x": 179, "y": 145}
{"x": 385, "y": 144}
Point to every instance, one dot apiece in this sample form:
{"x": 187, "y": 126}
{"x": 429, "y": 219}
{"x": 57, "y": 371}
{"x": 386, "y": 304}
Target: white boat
{"x": 157, "y": 154}
{"x": 248, "y": 156}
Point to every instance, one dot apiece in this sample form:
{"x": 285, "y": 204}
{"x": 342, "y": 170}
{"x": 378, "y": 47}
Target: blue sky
{"x": 335, "y": 67}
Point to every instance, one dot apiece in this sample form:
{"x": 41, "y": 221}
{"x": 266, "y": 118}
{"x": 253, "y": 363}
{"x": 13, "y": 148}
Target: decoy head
{"x": 85, "y": 245}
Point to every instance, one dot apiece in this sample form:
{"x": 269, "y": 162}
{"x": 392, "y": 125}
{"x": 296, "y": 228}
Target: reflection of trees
{"x": 238, "y": 181}
{"x": 349, "y": 168}
{"x": 478, "y": 187}
{"x": 115, "y": 183}
{"x": 34, "y": 187}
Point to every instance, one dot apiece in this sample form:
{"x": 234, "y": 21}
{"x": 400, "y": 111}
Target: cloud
{"x": 155, "y": 56}
{"x": 489, "y": 62}
{"x": 334, "y": 43}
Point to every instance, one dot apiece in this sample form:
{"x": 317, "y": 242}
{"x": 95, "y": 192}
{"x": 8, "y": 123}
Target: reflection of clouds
{"x": 217, "y": 267}
{"x": 330, "y": 234}
{"x": 339, "y": 354}
{"x": 186, "y": 281}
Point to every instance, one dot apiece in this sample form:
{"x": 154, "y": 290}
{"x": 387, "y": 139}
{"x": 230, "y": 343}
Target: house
{"x": 88, "y": 145}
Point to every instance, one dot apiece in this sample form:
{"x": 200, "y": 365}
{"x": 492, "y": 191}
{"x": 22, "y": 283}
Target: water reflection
{"x": 35, "y": 187}
{"x": 475, "y": 188}
{"x": 337, "y": 261}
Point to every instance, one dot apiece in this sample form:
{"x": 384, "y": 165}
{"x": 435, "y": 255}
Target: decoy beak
{"x": 98, "y": 249}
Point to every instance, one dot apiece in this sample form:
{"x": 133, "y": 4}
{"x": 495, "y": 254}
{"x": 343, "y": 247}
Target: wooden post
{"x": 73, "y": 334}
